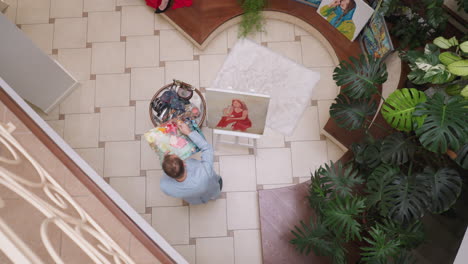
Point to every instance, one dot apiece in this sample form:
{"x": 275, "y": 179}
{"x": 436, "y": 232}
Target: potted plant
{"x": 252, "y": 19}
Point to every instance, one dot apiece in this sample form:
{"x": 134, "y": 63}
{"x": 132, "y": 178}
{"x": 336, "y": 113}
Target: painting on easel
{"x": 237, "y": 111}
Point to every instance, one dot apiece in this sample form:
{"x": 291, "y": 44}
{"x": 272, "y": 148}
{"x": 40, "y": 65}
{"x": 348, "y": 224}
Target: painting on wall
{"x": 314, "y": 3}
{"x": 375, "y": 39}
{"x": 236, "y": 111}
{"x": 347, "y": 16}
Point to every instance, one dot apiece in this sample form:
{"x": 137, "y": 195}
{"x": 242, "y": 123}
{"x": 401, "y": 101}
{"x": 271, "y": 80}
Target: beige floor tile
{"x": 98, "y": 5}
{"x": 82, "y": 130}
{"x": 77, "y": 62}
{"x": 270, "y": 139}
{"x": 58, "y": 126}
{"x": 32, "y": 11}
{"x": 308, "y": 126}
{"x": 70, "y": 33}
{"x": 298, "y": 31}
{"x": 314, "y": 54}
{"x": 149, "y": 158}
{"x": 326, "y": 88}
{"x": 248, "y": 246}
{"x": 215, "y": 250}
{"x": 188, "y": 252}
{"x": 217, "y": 46}
{"x": 273, "y": 166}
{"x": 66, "y": 8}
{"x": 112, "y": 90}
{"x": 142, "y": 119}
{"x": 81, "y": 100}
{"x": 10, "y": 12}
{"x": 117, "y": 124}
{"x": 132, "y": 189}
{"x": 41, "y": 34}
{"x": 161, "y": 23}
{"x": 242, "y": 210}
{"x": 275, "y": 186}
{"x": 130, "y": 2}
{"x": 289, "y": 49}
{"x": 137, "y": 21}
{"x": 142, "y": 51}
{"x": 276, "y": 30}
{"x": 103, "y": 26}
{"x": 154, "y": 195}
{"x": 324, "y": 111}
{"x": 146, "y": 82}
{"x": 122, "y": 159}
{"x": 174, "y": 47}
{"x": 238, "y": 173}
{"x": 147, "y": 218}
{"x": 334, "y": 152}
{"x": 172, "y": 223}
{"x": 233, "y": 36}
{"x": 52, "y": 115}
{"x": 108, "y": 58}
{"x": 187, "y": 71}
{"x": 307, "y": 156}
{"x": 209, "y": 68}
{"x": 94, "y": 157}
{"x": 208, "y": 220}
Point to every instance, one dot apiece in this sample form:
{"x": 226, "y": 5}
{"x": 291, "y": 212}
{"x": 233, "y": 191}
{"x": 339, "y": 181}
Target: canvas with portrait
{"x": 236, "y": 111}
{"x": 348, "y": 16}
{"x": 314, "y": 3}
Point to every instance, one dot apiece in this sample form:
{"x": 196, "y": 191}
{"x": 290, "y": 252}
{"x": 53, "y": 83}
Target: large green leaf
{"x": 351, "y": 113}
{"x": 462, "y": 157}
{"x": 341, "y": 180}
{"x": 380, "y": 189}
{"x": 360, "y": 77}
{"x": 444, "y": 43}
{"x": 445, "y": 187}
{"x": 318, "y": 192}
{"x": 409, "y": 199}
{"x": 314, "y": 237}
{"x": 340, "y": 217}
{"x": 459, "y": 68}
{"x": 448, "y": 57}
{"x": 445, "y": 123}
{"x": 381, "y": 247}
{"x": 396, "y": 149}
{"x": 367, "y": 154}
{"x": 399, "y": 107}
{"x": 410, "y": 236}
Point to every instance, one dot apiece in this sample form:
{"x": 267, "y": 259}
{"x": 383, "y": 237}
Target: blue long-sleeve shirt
{"x": 201, "y": 184}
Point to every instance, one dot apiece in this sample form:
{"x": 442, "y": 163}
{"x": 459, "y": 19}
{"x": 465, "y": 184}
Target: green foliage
{"x": 338, "y": 179}
{"x": 352, "y": 113}
{"x": 381, "y": 247}
{"x": 399, "y": 107}
{"x": 367, "y": 154}
{"x": 340, "y": 217}
{"x": 462, "y": 157}
{"x": 361, "y": 76}
{"x": 444, "y": 43}
{"x": 252, "y": 19}
{"x": 410, "y": 236}
{"x": 462, "y": 5}
{"x": 444, "y": 188}
{"x": 459, "y": 67}
{"x": 396, "y": 149}
{"x": 318, "y": 192}
{"x": 445, "y": 123}
{"x": 380, "y": 189}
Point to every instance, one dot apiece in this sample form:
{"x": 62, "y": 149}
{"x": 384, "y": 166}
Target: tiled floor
{"x": 122, "y": 53}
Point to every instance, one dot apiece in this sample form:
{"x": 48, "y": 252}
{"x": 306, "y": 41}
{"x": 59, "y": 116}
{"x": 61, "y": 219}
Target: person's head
{"x": 239, "y": 103}
{"x": 347, "y": 5}
{"x": 173, "y": 166}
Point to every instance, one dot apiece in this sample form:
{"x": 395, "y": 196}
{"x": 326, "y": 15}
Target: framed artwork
{"x": 236, "y": 112}
{"x": 375, "y": 39}
{"x": 314, "y": 3}
{"x": 347, "y": 16}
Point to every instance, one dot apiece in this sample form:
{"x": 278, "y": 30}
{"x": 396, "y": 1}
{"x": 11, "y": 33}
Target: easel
{"x": 217, "y": 139}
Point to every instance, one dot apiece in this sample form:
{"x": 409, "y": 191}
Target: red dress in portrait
{"x": 240, "y": 125}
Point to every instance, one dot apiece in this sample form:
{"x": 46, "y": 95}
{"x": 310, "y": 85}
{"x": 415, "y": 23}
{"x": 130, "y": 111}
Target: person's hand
{"x": 184, "y": 129}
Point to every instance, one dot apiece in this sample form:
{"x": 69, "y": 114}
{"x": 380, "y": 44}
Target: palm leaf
{"x": 314, "y": 237}
{"x": 399, "y": 107}
{"x": 445, "y": 187}
{"x": 340, "y": 217}
{"x": 462, "y": 157}
{"x": 351, "y": 114}
{"x": 381, "y": 247}
{"x": 410, "y": 236}
{"x": 318, "y": 192}
{"x": 361, "y": 76}
{"x": 340, "y": 180}
{"x": 445, "y": 123}
{"x": 380, "y": 189}
{"x": 396, "y": 149}
{"x": 409, "y": 199}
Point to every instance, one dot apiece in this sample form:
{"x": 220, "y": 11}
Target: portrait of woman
{"x": 340, "y": 14}
{"x": 236, "y": 116}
